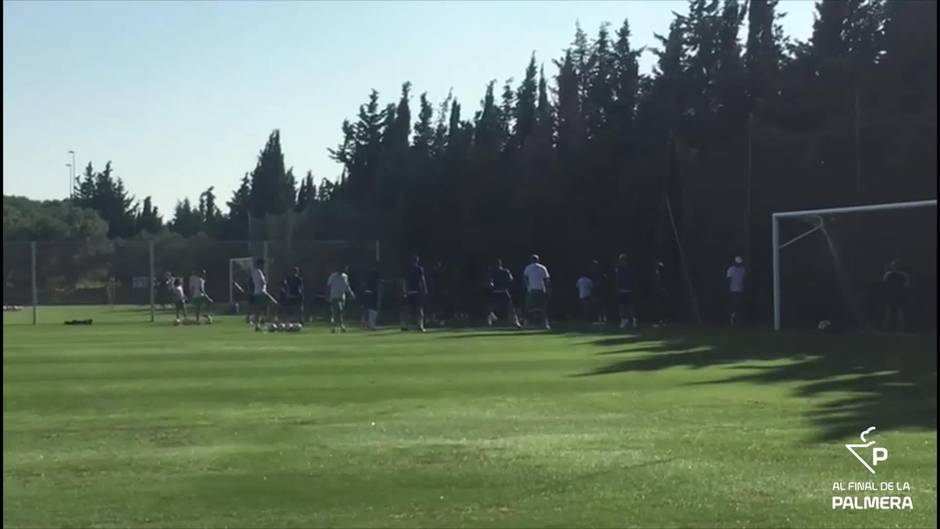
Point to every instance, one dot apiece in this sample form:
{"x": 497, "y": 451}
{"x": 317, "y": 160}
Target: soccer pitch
{"x": 149, "y": 425}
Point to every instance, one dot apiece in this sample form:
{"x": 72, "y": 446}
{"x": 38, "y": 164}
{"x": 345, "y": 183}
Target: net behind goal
{"x": 832, "y": 265}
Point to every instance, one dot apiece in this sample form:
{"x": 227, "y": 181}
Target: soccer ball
{"x": 824, "y": 325}
{"x": 177, "y": 322}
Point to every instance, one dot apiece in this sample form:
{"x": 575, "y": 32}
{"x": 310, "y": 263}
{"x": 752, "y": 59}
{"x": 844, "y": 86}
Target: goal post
{"x": 818, "y": 215}
{"x": 238, "y": 268}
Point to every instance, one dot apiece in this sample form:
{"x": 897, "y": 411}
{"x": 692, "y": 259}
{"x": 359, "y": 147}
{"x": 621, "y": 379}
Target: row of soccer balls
{"x": 280, "y": 327}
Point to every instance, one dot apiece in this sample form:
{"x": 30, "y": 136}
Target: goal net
{"x": 832, "y": 265}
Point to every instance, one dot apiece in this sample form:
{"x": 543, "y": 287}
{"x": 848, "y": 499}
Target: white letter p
{"x": 878, "y": 454}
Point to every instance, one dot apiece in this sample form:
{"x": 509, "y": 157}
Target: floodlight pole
{"x": 32, "y": 255}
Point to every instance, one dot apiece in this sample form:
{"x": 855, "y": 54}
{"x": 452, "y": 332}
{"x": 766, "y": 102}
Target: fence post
{"x": 150, "y": 282}
{"x": 32, "y": 255}
{"x": 775, "y": 240}
{"x": 264, "y": 255}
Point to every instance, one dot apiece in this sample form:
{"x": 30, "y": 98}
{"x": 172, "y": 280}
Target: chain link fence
{"x": 132, "y": 281}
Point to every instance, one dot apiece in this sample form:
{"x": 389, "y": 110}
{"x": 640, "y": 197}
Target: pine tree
{"x": 764, "y": 51}
{"x": 424, "y": 128}
{"x": 269, "y": 183}
{"x": 235, "y": 225}
{"x": 187, "y": 221}
{"x": 580, "y": 57}
{"x": 306, "y": 194}
{"x": 730, "y": 77}
{"x": 626, "y": 81}
{"x": 107, "y": 195}
{"x": 525, "y": 105}
{"x": 488, "y": 133}
{"x": 149, "y": 219}
{"x": 571, "y": 132}
{"x": 209, "y": 212}
{"x": 599, "y": 92}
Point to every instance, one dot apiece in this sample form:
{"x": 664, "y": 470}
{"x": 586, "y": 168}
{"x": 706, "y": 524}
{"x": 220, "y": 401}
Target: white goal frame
{"x": 777, "y": 246}
{"x": 231, "y": 273}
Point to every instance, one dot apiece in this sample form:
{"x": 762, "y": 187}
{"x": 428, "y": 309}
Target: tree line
{"x": 584, "y": 157}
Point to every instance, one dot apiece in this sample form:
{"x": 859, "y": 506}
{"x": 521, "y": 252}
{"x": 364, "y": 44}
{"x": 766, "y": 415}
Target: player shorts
{"x": 261, "y": 300}
{"x": 737, "y": 301}
{"x": 370, "y": 300}
{"x": 199, "y": 301}
{"x": 501, "y": 300}
{"x": 535, "y": 300}
{"x": 894, "y": 299}
{"x": 625, "y": 299}
{"x": 414, "y": 300}
{"x": 293, "y": 302}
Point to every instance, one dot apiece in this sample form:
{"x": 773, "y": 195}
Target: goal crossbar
{"x": 777, "y": 246}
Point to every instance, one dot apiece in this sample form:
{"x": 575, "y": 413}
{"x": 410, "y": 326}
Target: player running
{"x": 500, "y": 296}
{"x": 337, "y": 286}
{"x": 414, "y": 289}
{"x": 198, "y": 296}
{"x": 536, "y": 279}
{"x": 625, "y": 298}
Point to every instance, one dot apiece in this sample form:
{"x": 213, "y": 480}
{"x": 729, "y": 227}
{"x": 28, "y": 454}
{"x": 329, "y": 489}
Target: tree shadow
{"x": 889, "y": 381}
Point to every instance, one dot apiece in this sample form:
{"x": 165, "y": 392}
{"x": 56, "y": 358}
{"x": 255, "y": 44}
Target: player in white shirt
{"x": 261, "y": 300}
{"x": 337, "y": 286}
{"x": 536, "y": 279}
{"x": 736, "y": 275}
{"x": 198, "y": 296}
{"x": 179, "y": 300}
{"x": 585, "y": 286}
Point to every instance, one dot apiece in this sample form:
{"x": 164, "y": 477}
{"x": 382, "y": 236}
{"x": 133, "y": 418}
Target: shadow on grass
{"x": 885, "y": 380}
{"x": 889, "y": 381}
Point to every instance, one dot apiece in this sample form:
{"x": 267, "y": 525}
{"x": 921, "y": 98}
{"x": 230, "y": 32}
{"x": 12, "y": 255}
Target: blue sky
{"x": 182, "y": 95}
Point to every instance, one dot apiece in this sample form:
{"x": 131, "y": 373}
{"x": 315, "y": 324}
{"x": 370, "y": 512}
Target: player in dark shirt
{"x": 659, "y": 292}
{"x": 895, "y": 283}
{"x": 294, "y": 295}
{"x": 625, "y": 292}
{"x": 600, "y": 292}
{"x": 501, "y": 283}
{"x": 414, "y": 291}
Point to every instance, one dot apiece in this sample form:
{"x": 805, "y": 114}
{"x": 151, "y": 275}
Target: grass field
{"x": 138, "y": 424}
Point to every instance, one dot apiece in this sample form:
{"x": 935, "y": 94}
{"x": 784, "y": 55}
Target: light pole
{"x": 74, "y": 169}
{"x": 69, "y": 175}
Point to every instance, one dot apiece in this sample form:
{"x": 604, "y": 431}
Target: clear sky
{"x": 182, "y": 95}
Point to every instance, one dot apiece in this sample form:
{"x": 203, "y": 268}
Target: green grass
{"x": 138, "y": 424}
